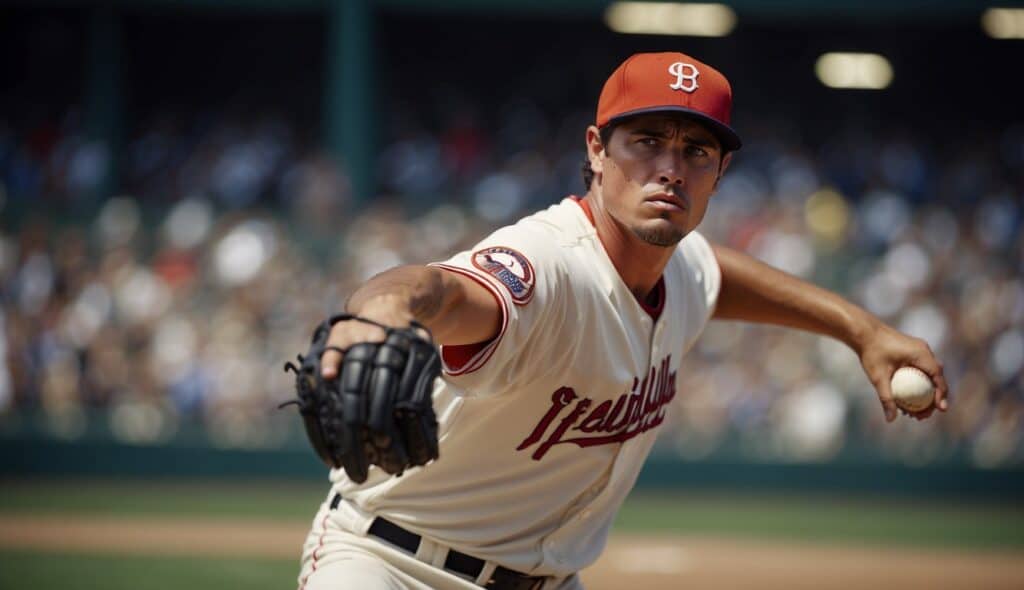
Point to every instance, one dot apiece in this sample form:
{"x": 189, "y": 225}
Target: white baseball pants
{"x": 334, "y": 558}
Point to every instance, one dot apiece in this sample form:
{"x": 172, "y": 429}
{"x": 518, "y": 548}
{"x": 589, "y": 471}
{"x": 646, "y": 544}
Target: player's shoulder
{"x": 694, "y": 245}
{"x": 695, "y": 259}
{"x": 692, "y": 253}
{"x": 543, "y": 235}
{"x": 560, "y": 222}
{"x": 526, "y": 256}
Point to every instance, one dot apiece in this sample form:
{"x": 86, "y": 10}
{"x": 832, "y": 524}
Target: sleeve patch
{"x": 511, "y": 268}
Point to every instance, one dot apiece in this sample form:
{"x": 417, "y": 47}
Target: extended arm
{"x": 456, "y": 309}
{"x": 753, "y": 291}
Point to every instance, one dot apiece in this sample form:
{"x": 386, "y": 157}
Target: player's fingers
{"x": 881, "y": 383}
{"x": 941, "y": 392}
{"x": 933, "y": 368}
{"x": 330, "y": 361}
{"x": 329, "y": 364}
{"x": 343, "y": 335}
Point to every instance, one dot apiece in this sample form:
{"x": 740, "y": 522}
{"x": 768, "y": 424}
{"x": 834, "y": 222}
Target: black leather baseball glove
{"x": 379, "y": 410}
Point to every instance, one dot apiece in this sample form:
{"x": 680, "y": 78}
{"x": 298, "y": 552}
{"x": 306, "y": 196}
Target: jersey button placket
{"x": 656, "y": 342}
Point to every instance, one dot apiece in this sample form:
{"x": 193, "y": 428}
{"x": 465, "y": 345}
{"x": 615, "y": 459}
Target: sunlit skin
{"x": 651, "y": 187}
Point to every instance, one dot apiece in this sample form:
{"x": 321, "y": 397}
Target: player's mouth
{"x": 667, "y": 202}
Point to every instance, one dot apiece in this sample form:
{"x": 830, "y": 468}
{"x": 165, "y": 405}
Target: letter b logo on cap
{"x": 686, "y": 76}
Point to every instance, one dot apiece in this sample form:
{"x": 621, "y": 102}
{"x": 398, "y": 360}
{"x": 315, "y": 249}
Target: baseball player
{"x": 561, "y": 338}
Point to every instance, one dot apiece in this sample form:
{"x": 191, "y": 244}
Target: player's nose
{"x": 671, "y": 178}
{"x": 671, "y": 169}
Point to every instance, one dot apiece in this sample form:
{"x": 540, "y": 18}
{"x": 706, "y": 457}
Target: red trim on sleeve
{"x": 470, "y": 357}
{"x": 458, "y": 355}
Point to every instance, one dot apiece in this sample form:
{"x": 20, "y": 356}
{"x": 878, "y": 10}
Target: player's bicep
{"x": 473, "y": 313}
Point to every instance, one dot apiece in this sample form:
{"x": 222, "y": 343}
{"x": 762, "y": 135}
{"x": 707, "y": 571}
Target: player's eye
{"x": 696, "y": 151}
{"x": 648, "y": 141}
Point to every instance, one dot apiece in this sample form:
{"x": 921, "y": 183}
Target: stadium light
{"x": 1003, "y": 23}
{"x": 854, "y": 70}
{"x": 670, "y": 18}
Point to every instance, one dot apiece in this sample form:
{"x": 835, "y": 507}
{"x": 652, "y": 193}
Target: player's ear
{"x": 595, "y": 149}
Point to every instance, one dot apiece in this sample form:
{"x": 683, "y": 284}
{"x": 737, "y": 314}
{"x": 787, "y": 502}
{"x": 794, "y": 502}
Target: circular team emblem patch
{"x": 511, "y": 268}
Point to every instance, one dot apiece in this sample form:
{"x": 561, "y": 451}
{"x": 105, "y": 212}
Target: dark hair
{"x": 606, "y": 135}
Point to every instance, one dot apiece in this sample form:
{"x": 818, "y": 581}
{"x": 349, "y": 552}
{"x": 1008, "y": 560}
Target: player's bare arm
{"x": 455, "y": 308}
{"x": 756, "y": 292}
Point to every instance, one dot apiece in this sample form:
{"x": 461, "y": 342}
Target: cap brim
{"x": 729, "y": 139}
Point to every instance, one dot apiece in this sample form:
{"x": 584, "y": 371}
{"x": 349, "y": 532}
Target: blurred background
{"x": 187, "y": 188}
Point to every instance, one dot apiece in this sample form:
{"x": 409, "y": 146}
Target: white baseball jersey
{"x": 544, "y": 430}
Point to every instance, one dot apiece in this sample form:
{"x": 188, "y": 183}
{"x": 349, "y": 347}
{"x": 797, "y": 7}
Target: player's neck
{"x": 638, "y": 263}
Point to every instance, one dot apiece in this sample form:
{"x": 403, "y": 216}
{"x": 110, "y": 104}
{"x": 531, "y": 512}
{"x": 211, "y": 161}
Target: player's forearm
{"x": 416, "y": 290}
{"x": 756, "y": 292}
{"x": 455, "y": 309}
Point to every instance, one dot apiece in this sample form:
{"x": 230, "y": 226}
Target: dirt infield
{"x": 634, "y": 562}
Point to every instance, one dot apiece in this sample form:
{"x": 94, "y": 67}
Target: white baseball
{"x": 912, "y": 389}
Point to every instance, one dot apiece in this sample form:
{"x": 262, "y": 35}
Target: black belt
{"x": 458, "y": 562}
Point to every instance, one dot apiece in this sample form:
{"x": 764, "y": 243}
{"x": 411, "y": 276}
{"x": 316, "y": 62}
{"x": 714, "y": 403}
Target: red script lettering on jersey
{"x": 635, "y": 411}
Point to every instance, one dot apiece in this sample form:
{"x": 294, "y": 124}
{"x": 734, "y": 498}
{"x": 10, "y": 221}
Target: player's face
{"x": 656, "y": 175}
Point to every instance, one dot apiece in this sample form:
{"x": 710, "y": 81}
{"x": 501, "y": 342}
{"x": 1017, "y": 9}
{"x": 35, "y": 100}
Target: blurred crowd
{"x": 177, "y": 302}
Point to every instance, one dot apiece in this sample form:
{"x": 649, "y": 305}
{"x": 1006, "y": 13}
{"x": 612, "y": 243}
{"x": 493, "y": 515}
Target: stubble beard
{"x": 664, "y": 237}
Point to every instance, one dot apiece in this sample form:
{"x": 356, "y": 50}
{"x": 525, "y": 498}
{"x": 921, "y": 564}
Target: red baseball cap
{"x": 674, "y": 82}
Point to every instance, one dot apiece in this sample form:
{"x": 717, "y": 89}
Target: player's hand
{"x": 385, "y": 310}
{"x": 884, "y": 350}
{"x": 375, "y": 408}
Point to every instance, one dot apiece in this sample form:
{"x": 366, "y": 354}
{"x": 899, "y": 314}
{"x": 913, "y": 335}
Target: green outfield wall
{"x": 35, "y": 456}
